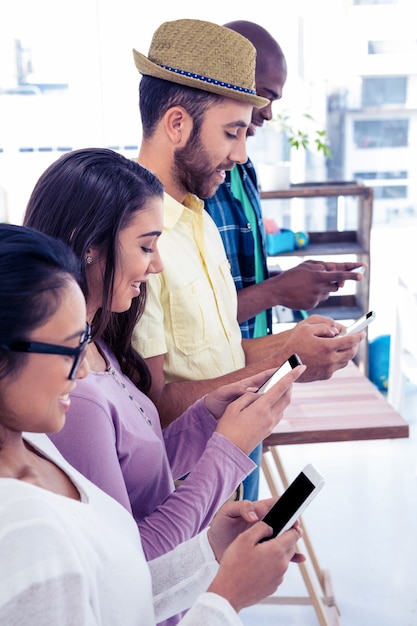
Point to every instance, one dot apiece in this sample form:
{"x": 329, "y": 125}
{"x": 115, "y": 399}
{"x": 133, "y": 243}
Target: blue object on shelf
{"x": 284, "y": 241}
{"x": 378, "y": 361}
{"x": 302, "y": 239}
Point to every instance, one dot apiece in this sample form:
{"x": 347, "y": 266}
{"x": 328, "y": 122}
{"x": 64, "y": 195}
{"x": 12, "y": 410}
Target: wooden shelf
{"x": 339, "y": 308}
{"x": 330, "y": 243}
{"x": 334, "y": 243}
{"x": 322, "y": 190}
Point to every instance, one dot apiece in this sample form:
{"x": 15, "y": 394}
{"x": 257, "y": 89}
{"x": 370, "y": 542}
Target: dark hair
{"x": 156, "y": 96}
{"x": 86, "y": 198}
{"x": 34, "y": 269}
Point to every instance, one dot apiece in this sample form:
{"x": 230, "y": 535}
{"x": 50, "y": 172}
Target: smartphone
{"x": 360, "y": 324}
{"x": 283, "y": 369}
{"x": 288, "y": 508}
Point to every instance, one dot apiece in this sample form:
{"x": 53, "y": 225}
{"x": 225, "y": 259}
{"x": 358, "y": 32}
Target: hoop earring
{"x": 89, "y": 260}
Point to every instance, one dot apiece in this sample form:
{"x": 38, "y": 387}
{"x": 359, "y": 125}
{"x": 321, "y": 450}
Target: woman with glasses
{"x": 108, "y": 209}
{"x": 69, "y": 553}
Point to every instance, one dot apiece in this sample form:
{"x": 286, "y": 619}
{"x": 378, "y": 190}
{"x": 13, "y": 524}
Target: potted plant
{"x": 299, "y": 136}
{"x": 278, "y": 139}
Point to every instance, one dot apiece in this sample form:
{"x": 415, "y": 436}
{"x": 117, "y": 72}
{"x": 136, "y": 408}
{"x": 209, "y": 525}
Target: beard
{"x": 193, "y": 169}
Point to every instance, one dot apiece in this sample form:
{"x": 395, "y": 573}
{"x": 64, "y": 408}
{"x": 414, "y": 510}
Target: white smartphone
{"x": 360, "y": 324}
{"x": 288, "y": 508}
{"x": 283, "y": 369}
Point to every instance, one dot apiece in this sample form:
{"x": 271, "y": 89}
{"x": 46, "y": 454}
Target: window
{"x": 392, "y": 47}
{"x": 374, "y": 2}
{"x": 384, "y": 90}
{"x": 393, "y": 192}
{"x": 380, "y": 175}
{"x": 380, "y": 133}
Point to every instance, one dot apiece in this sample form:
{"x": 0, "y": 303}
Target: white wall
{"x": 89, "y": 44}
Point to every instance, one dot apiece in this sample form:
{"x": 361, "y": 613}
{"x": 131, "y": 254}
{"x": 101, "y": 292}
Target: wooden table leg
{"x": 326, "y": 616}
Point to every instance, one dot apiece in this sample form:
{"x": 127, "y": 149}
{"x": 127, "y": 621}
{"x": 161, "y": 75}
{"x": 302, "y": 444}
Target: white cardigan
{"x": 81, "y": 563}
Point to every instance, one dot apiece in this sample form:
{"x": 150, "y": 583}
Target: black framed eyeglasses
{"x": 38, "y": 347}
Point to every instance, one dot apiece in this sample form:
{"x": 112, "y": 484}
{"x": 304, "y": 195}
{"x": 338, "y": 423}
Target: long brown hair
{"x": 85, "y": 198}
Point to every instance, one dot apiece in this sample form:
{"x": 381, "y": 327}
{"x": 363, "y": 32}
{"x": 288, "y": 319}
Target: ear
{"x": 178, "y": 125}
{"x": 91, "y": 256}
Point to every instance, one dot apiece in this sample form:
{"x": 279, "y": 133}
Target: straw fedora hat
{"x": 205, "y": 56}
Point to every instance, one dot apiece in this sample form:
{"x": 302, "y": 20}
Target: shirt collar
{"x": 173, "y": 210}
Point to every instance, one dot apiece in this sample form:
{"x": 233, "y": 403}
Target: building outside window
{"x": 387, "y": 133}
{"x": 380, "y": 90}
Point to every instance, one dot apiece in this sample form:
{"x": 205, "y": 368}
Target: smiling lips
{"x": 253, "y": 126}
{"x": 65, "y": 401}
{"x": 136, "y": 286}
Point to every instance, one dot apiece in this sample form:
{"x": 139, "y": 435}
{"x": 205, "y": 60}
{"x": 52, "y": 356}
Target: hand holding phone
{"x": 286, "y": 367}
{"x": 359, "y": 325}
{"x": 288, "y": 508}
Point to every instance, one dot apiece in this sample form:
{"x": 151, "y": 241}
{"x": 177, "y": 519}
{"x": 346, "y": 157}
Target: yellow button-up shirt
{"x": 191, "y": 309}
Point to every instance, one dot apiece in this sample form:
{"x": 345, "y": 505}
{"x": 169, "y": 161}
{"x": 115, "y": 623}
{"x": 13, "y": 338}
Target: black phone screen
{"x": 289, "y": 503}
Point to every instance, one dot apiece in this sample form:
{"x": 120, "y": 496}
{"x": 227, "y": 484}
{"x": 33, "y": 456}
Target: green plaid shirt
{"x": 237, "y": 235}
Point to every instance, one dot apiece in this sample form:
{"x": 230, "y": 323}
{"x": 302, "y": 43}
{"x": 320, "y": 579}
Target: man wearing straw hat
{"x": 237, "y": 212}
{"x": 196, "y": 97}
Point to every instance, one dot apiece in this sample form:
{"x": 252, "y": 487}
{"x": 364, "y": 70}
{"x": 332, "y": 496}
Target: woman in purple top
{"x": 110, "y": 211}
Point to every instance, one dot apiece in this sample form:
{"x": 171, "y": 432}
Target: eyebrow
{"x": 239, "y": 123}
{"x": 75, "y": 335}
{"x": 153, "y": 233}
{"x": 273, "y": 95}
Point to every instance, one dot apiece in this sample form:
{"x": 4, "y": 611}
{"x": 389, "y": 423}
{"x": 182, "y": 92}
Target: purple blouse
{"x": 113, "y": 436}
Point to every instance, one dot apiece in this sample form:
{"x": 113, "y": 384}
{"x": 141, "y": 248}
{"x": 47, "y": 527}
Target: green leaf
{"x": 298, "y": 138}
